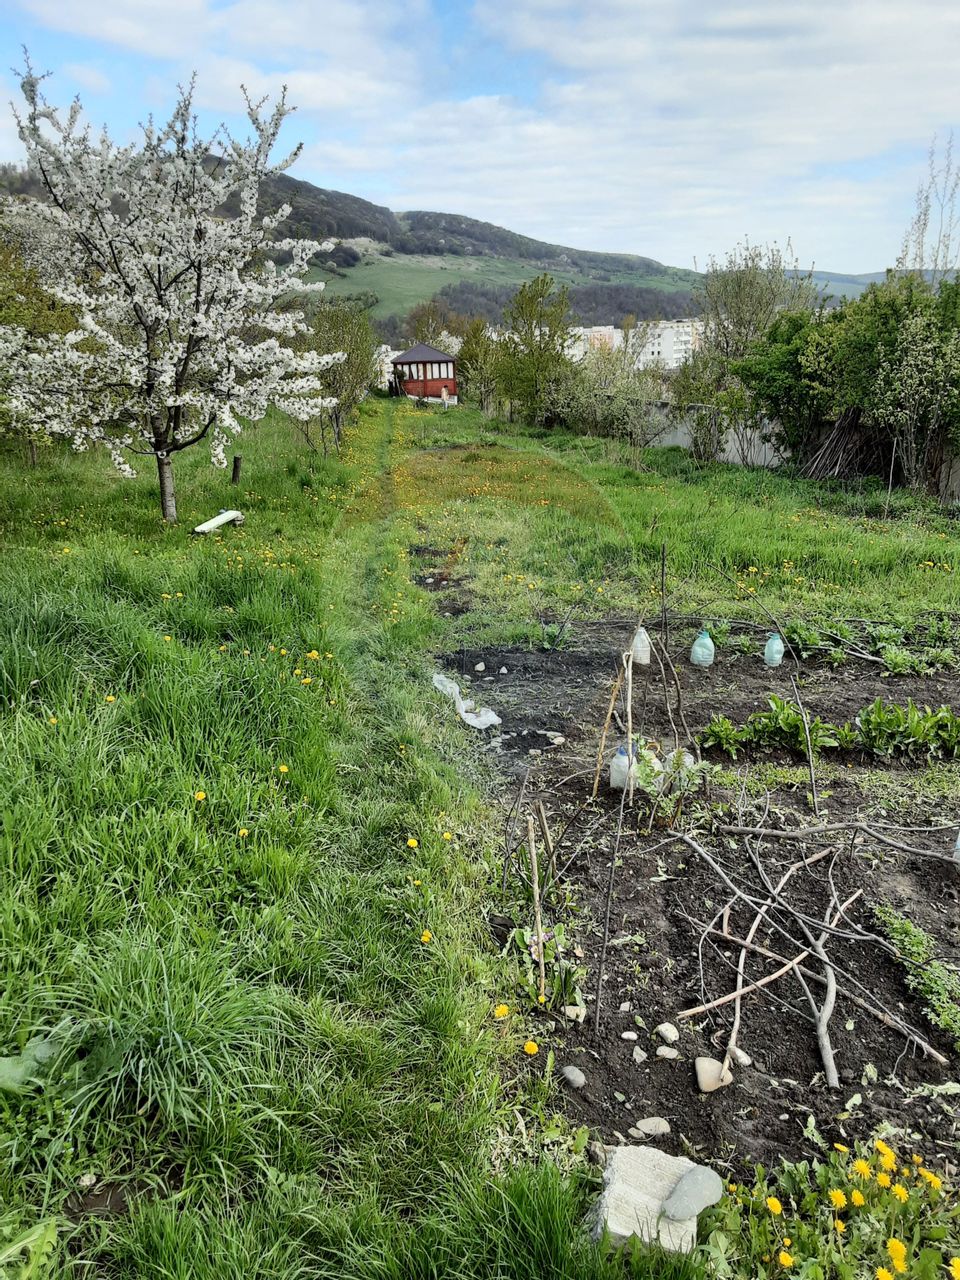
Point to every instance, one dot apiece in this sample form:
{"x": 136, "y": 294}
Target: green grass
{"x": 402, "y": 280}
{"x": 245, "y": 1034}
{"x": 212, "y": 910}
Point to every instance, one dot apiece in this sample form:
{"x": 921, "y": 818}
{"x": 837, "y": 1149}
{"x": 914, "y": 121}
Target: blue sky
{"x": 670, "y": 129}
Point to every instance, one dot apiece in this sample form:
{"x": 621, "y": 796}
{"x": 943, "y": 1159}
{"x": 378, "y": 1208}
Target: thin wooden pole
{"x": 537, "y": 920}
{"x": 235, "y": 473}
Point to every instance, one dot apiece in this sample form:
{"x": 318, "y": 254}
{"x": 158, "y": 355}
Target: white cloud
{"x": 86, "y": 77}
{"x": 669, "y": 129}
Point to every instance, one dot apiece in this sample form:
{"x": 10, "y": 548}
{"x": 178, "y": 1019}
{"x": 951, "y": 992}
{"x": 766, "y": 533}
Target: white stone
{"x": 652, "y": 1127}
{"x": 573, "y": 1076}
{"x": 629, "y": 1035}
{"x": 667, "y": 1032}
{"x": 503, "y": 671}
{"x": 625, "y": 1007}
{"x": 575, "y": 1012}
{"x": 481, "y": 666}
{"x": 636, "y": 1182}
{"x": 711, "y": 1074}
{"x": 699, "y": 1188}
{"x": 667, "y": 1051}
{"x": 639, "y": 1055}
{"x": 740, "y": 1058}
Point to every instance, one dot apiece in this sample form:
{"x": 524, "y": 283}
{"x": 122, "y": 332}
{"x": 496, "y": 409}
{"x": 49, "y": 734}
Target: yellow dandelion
{"x": 930, "y": 1179}
{"x": 917, "y": 1159}
{"x": 857, "y": 1198}
{"x": 888, "y": 1161}
{"x": 448, "y": 835}
{"x": 955, "y": 1269}
{"x": 774, "y": 1205}
{"x": 413, "y": 843}
{"x": 838, "y": 1146}
{"x": 426, "y": 936}
{"x": 283, "y": 653}
{"x": 54, "y": 720}
{"x": 307, "y": 680}
{"x": 222, "y": 649}
{"x": 531, "y": 1047}
{"x": 109, "y": 698}
{"x": 541, "y": 999}
{"x": 839, "y": 1226}
{"x": 838, "y": 1199}
{"x": 501, "y": 1011}
{"x": 283, "y": 768}
{"x": 787, "y": 1242}
{"x": 883, "y": 1274}
{"x": 898, "y": 1254}
{"x": 199, "y": 795}
{"x": 168, "y": 638}
{"x": 313, "y": 655}
{"x": 785, "y": 1259}
{"x": 884, "y": 1180}
{"x": 243, "y": 832}
{"x": 901, "y": 1192}
{"x": 862, "y": 1169}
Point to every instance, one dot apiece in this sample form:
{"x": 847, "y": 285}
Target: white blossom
{"x": 161, "y": 255}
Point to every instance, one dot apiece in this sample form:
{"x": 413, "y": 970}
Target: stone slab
{"x": 637, "y": 1180}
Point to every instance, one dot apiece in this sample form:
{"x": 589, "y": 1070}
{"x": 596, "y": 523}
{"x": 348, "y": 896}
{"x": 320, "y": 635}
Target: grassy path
{"x": 247, "y": 991}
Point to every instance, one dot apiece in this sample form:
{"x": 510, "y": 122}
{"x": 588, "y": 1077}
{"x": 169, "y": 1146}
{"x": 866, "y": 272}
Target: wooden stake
{"x": 537, "y": 921}
{"x": 235, "y": 473}
{"x": 606, "y": 729}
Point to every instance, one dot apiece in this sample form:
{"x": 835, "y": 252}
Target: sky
{"x": 669, "y": 128}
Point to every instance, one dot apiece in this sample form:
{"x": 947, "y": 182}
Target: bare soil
{"x": 664, "y": 894}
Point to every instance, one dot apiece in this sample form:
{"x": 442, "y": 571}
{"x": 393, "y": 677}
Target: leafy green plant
{"x": 782, "y": 725}
{"x": 26, "y": 1254}
{"x": 723, "y": 734}
{"x": 562, "y": 978}
{"x": 928, "y": 976}
{"x": 803, "y": 638}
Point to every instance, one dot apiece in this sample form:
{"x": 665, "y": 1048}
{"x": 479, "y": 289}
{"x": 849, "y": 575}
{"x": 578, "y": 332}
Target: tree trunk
{"x": 168, "y": 502}
{"x": 32, "y": 445}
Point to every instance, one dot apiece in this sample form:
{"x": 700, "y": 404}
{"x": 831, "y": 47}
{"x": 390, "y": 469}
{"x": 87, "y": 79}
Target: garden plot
{"x": 687, "y": 899}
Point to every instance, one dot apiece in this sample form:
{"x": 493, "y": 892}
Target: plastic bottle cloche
{"x": 702, "y": 651}
{"x": 774, "y": 650}
{"x": 620, "y": 769}
{"x": 640, "y": 647}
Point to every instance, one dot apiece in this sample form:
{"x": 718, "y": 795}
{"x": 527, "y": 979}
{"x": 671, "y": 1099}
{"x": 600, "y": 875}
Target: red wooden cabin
{"x": 423, "y": 373}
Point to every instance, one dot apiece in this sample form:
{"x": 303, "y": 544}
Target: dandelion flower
{"x": 283, "y": 768}
{"x": 109, "y": 698}
{"x": 541, "y": 999}
{"x": 168, "y": 638}
{"x": 785, "y": 1259}
{"x": 901, "y": 1192}
{"x": 839, "y": 1226}
{"x": 838, "y": 1199}
{"x": 426, "y": 936}
{"x": 199, "y": 795}
{"x": 838, "y": 1146}
{"x": 531, "y": 1047}
{"x": 243, "y": 832}
{"x": 774, "y": 1205}
{"x": 898, "y": 1254}
{"x": 930, "y": 1179}
{"x": 955, "y": 1269}
{"x": 857, "y": 1198}
{"x": 307, "y": 680}
{"x": 448, "y": 835}
{"x": 883, "y": 1180}
{"x": 501, "y": 1011}
{"x": 889, "y": 1161}
{"x": 413, "y": 843}
{"x": 883, "y": 1274}
{"x": 862, "y": 1169}
{"x": 54, "y": 720}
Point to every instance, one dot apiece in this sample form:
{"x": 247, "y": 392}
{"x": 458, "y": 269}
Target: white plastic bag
{"x": 476, "y": 718}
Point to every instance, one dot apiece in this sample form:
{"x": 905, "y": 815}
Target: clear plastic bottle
{"x": 702, "y": 652}
{"x": 774, "y": 651}
{"x": 619, "y": 769}
{"x": 640, "y": 648}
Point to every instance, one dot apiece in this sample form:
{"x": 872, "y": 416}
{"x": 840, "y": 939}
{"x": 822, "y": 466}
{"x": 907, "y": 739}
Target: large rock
{"x": 711, "y": 1074}
{"x": 697, "y": 1189}
{"x": 638, "y": 1182}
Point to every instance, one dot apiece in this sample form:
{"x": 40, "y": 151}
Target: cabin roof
{"x": 421, "y": 352}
